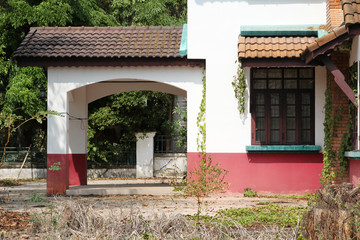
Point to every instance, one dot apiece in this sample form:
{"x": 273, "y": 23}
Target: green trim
{"x": 283, "y": 149}
{"x": 183, "y": 45}
{"x": 282, "y": 30}
{"x": 352, "y": 154}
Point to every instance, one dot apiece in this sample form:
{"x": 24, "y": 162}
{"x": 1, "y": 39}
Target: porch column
{"x": 145, "y": 154}
{"x": 77, "y": 136}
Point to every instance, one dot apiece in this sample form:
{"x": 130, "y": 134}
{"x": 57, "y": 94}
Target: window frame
{"x": 282, "y": 108}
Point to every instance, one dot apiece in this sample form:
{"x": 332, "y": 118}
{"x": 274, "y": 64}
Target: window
{"x": 282, "y": 106}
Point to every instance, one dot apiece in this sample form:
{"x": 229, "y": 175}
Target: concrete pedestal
{"x": 145, "y": 155}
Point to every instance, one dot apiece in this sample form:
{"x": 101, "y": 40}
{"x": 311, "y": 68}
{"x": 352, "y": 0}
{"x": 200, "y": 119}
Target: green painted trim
{"x": 353, "y": 155}
{"x": 281, "y": 30}
{"x": 183, "y": 44}
{"x": 283, "y": 149}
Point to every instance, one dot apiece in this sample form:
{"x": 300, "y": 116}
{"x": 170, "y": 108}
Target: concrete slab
{"x": 120, "y": 189}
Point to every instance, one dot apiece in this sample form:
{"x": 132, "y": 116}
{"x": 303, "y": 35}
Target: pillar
{"x": 145, "y": 155}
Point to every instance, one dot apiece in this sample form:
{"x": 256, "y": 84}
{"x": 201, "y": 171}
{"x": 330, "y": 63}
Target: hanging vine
{"x": 332, "y": 156}
{"x": 239, "y": 85}
{"x": 200, "y": 122}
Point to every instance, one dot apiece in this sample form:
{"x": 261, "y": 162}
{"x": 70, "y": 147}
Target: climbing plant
{"x": 239, "y": 85}
{"x": 208, "y": 178}
{"x": 331, "y": 156}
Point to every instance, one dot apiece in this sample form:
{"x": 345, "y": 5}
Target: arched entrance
{"x": 70, "y": 90}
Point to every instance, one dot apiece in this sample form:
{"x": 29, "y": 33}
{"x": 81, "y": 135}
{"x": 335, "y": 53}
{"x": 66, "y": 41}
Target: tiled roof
{"x": 272, "y": 47}
{"x": 351, "y": 9}
{"x": 326, "y": 43}
{"x": 101, "y": 42}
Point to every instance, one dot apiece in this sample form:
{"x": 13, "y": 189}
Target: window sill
{"x": 283, "y": 149}
{"x": 355, "y": 155}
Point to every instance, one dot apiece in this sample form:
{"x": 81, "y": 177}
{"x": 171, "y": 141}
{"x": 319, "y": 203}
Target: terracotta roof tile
{"x": 272, "y": 47}
{"x": 102, "y": 42}
{"x": 351, "y": 10}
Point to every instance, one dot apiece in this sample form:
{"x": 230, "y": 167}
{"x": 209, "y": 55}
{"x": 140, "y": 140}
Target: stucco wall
{"x": 213, "y": 29}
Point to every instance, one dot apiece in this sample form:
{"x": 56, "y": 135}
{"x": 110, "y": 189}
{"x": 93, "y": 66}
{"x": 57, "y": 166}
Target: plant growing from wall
{"x": 239, "y": 85}
{"x": 208, "y": 178}
{"x": 332, "y": 156}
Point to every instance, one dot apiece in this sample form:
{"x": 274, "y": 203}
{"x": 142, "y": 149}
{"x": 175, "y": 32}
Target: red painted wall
{"x": 354, "y": 171}
{"x": 77, "y": 169}
{"x": 57, "y": 181}
{"x": 277, "y": 173}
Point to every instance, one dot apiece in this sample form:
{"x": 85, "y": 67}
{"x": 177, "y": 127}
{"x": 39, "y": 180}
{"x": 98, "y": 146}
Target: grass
{"x": 81, "y": 221}
{"x": 9, "y": 183}
{"x": 268, "y": 214}
{"x": 307, "y": 196}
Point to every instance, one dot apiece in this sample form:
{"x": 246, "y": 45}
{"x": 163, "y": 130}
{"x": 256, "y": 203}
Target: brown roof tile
{"x": 272, "y": 47}
{"x": 101, "y": 42}
{"x": 351, "y": 10}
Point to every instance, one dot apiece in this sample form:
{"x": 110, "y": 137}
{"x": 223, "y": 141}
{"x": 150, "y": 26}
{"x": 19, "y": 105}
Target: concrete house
{"x": 290, "y": 52}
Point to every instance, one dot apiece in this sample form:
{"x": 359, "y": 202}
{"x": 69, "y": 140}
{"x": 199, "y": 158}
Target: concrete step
{"x": 121, "y": 189}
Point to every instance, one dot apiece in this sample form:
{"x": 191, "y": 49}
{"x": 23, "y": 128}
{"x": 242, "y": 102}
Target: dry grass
{"x": 74, "y": 220}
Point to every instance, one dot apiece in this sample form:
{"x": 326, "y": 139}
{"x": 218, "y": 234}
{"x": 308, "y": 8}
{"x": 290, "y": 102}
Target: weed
{"x": 36, "y": 198}
{"x": 9, "y": 183}
{"x": 248, "y": 192}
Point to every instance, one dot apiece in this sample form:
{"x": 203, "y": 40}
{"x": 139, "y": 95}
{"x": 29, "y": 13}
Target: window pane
{"x": 259, "y": 73}
{"x": 290, "y": 73}
{"x": 305, "y": 98}
{"x": 306, "y": 73}
{"x": 290, "y": 84}
{"x": 260, "y": 136}
{"x": 274, "y": 98}
{"x": 305, "y": 123}
{"x": 259, "y": 84}
{"x": 275, "y": 136}
{"x": 260, "y": 99}
{"x": 260, "y": 111}
{"x": 291, "y": 123}
{"x": 290, "y": 111}
{"x": 307, "y": 84}
{"x": 260, "y": 123}
{"x": 305, "y": 111}
{"x": 274, "y": 123}
{"x": 275, "y": 73}
{"x": 290, "y": 136}
{"x": 275, "y": 111}
{"x": 275, "y": 84}
{"x": 290, "y": 98}
{"x": 305, "y": 136}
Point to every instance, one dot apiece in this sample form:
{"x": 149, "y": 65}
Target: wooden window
{"x": 282, "y": 106}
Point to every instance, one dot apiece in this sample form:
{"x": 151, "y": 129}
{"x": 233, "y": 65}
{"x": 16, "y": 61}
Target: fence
{"x": 15, "y": 156}
{"x": 169, "y": 144}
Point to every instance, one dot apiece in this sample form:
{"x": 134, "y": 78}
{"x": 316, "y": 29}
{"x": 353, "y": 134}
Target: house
{"x": 291, "y": 52}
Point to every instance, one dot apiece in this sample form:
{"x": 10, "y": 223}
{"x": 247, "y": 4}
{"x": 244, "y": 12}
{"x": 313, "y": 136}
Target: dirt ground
{"x": 16, "y": 207}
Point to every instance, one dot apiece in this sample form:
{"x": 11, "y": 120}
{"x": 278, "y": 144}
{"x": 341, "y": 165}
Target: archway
{"x": 71, "y": 89}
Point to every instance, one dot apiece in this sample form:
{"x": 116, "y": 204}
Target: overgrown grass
{"x": 268, "y": 214}
{"x": 307, "y": 196}
{"x": 76, "y": 220}
{"x": 9, "y": 182}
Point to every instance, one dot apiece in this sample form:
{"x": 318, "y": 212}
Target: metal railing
{"x": 169, "y": 144}
{"x": 15, "y": 155}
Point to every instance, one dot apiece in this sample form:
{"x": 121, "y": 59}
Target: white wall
{"x": 213, "y": 30}
{"x": 65, "y": 94}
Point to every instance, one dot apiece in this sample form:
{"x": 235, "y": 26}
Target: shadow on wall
{"x": 264, "y": 2}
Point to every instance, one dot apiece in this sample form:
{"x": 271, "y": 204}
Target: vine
{"x": 330, "y": 124}
{"x": 239, "y": 85}
{"x": 200, "y": 122}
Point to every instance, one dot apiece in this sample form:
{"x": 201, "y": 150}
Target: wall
{"x": 213, "y": 30}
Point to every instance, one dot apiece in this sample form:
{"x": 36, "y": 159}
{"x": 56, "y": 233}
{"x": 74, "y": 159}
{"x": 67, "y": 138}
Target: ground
{"x": 17, "y": 204}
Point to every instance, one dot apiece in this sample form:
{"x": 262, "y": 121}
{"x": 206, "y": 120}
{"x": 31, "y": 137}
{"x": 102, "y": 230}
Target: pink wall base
{"x": 77, "y": 169}
{"x": 73, "y": 171}
{"x": 354, "y": 172}
{"x": 57, "y": 180}
{"x": 276, "y": 173}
